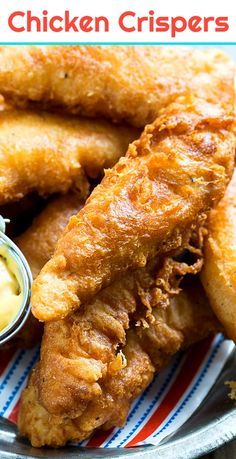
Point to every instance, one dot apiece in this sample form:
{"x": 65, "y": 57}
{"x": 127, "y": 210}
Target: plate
{"x": 211, "y": 425}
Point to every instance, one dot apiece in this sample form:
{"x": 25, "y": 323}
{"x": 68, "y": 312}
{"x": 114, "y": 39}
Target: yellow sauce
{"x": 11, "y": 295}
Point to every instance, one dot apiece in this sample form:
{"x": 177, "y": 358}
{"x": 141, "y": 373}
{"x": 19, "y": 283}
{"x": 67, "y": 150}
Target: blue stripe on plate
{"x": 20, "y": 382}
{"x": 150, "y": 407}
{"x": 18, "y": 358}
{"x": 196, "y": 385}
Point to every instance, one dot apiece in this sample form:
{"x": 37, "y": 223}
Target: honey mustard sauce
{"x": 11, "y": 294}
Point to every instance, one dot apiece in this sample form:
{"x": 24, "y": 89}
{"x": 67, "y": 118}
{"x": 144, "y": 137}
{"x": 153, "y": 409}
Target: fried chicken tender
{"x": 170, "y": 177}
{"x": 219, "y": 271}
{"x": 118, "y": 82}
{"x": 81, "y": 350}
{"x": 78, "y": 351}
{"x": 48, "y": 153}
{"x": 187, "y": 320}
{"x": 37, "y": 244}
{"x": 42, "y": 428}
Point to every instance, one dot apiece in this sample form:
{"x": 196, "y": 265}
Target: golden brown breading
{"x": 48, "y": 153}
{"x": 78, "y": 351}
{"x": 187, "y": 320}
{"x": 219, "y": 271}
{"x": 38, "y": 242}
{"x": 83, "y": 349}
{"x": 42, "y": 428}
{"x": 118, "y": 82}
{"x": 170, "y": 177}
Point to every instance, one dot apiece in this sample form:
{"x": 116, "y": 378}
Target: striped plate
{"x": 165, "y": 405}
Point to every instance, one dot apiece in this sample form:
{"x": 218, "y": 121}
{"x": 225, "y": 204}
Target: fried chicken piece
{"x": 170, "y": 177}
{"x": 84, "y": 348}
{"x": 219, "y": 271}
{"x": 37, "y": 244}
{"x": 42, "y": 428}
{"x": 78, "y": 351}
{"x": 118, "y": 82}
{"x": 187, "y": 320}
{"x": 48, "y": 153}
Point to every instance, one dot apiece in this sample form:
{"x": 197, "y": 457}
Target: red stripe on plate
{"x": 189, "y": 369}
{"x": 5, "y": 359}
{"x": 14, "y": 414}
{"x": 99, "y": 438}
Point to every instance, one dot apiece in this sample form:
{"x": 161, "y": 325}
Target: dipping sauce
{"x": 11, "y": 295}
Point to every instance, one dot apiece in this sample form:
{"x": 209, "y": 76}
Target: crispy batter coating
{"x": 219, "y": 271}
{"x": 48, "y": 153}
{"x": 80, "y": 350}
{"x": 170, "y": 177}
{"x": 42, "y": 428}
{"x": 37, "y": 244}
{"x": 118, "y": 82}
{"x": 187, "y": 320}
{"x": 84, "y": 348}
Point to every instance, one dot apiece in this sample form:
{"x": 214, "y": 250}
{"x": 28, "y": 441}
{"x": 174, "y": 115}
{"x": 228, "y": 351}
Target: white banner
{"x": 117, "y": 21}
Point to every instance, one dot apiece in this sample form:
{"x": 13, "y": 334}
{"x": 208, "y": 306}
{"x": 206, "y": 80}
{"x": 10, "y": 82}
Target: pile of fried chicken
{"x": 134, "y": 251}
